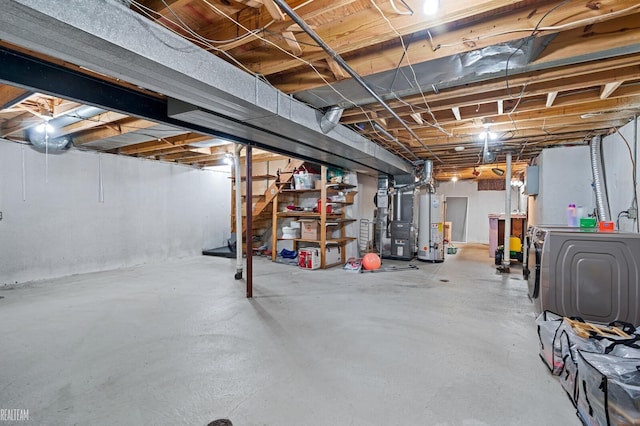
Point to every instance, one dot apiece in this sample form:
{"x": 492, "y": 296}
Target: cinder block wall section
{"x": 82, "y": 212}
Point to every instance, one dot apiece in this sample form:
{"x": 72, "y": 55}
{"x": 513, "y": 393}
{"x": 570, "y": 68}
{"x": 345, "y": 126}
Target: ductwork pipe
{"x": 43, "y": 143}
{"x": 335, "y": 56}
{"x": 602, "y": 199}
{"x": 330, "y": 119}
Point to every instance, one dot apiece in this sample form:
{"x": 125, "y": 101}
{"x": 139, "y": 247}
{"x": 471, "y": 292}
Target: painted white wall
{"x": 565, "y": 177}
{"x": 58, "y": 219}
{"x": 618, "y": 169}
{"x": 481, "y": 204}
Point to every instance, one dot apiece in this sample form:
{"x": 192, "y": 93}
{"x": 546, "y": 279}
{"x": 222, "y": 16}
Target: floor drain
{"x": 444, "y": 281}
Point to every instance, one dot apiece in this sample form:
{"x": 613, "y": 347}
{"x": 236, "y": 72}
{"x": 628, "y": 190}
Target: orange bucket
{"x": 606, "y": 226}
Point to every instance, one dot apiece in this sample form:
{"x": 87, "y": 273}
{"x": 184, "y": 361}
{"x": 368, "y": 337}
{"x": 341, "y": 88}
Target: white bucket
{"x": 289, "y": 233}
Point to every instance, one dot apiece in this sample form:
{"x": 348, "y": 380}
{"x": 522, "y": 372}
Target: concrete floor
{"x": 177, "y": 343}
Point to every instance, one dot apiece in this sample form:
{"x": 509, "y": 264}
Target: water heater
{"x": 431, "y": 226}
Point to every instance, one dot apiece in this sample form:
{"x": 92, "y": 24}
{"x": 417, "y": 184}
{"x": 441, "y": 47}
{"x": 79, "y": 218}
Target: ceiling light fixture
{"x": 498, "y": 171}
{"x": 431, "y": 7}
{"x": 40, "y": 128}
{"x": 454, "y": 179}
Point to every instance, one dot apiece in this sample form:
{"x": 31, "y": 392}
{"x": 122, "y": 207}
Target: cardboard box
{"x": 309, "y": 229}
{"x": 309, "y": 258}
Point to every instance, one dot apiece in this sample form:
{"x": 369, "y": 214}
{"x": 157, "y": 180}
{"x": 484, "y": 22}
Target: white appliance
{"x": 431, "y": 226}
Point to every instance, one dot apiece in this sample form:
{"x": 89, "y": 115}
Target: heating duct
{"x": 424, "y": 177}
{"x": 41, "y": 142}
{"x": 602, "y": 200}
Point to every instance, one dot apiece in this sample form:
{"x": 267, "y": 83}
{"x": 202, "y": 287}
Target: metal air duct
{"x": 330, "y": 119}
{"x": 41, "y": 142}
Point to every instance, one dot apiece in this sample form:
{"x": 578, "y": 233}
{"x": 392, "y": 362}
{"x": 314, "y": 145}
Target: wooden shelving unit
{"x": 337, "y": 221}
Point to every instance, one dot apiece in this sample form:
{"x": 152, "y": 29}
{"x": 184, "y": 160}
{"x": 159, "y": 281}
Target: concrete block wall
{"x": 83, "y": 211}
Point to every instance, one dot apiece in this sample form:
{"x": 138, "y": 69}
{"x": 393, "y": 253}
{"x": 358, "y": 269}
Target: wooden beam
{"x": 338, "y": 72}
{"x": 508, "y": 27}
{"x": 91, "y": 122}
{"x": 273, "y": 9}
{"x": 562, "y": 79}
{"x": 124, "y": 126}
{"x": 293, "y": 44}
{"x": 609, "y": 88}
{"x": 417, "y": 117}
{"x": 456, "y": 113}
{"x": 153, "y": 146}
{"x": 551, "y": 97}
{"x": 10, "y": 96}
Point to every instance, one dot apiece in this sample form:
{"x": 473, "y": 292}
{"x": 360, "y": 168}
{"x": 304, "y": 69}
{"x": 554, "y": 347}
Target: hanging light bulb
{"x": 41, "y": 128}
{"x": 431, "y": 7}
{"x": 454, "y": 179}
{"x": 228, "y": 158}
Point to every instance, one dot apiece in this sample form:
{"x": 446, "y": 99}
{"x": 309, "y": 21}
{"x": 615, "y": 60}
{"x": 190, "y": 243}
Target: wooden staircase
{"x": 262, "y": 212}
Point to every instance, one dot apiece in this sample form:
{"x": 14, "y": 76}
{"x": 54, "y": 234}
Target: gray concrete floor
{"x": 177, "y": 343}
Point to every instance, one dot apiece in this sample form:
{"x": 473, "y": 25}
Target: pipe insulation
{"x": 599, "y": 185}
{"x": 336, "y": 57}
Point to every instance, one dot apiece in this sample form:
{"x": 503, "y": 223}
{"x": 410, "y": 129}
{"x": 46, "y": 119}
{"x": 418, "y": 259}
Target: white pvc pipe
{"x": 238, "y": 174}
{"x": 506, "y": 258}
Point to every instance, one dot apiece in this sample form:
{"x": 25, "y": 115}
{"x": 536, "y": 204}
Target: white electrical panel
{"x": 531, "y": 180}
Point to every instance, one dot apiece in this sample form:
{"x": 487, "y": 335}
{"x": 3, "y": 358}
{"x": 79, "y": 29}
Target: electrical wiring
{"x": 278, "y": 35}
{"x": 197, "y": 40}
{"x": 526, "y": 40}
{"x": 415, "y": 77}
{"x": 513, "y": 110}
{"x": 409, "y": 11}
{"x": 249, "y": 33}
{"x": 349, "y": 101}
{"x": 633, "y": 170}
{"x": 147, "y": 11}
{"x": 563, "y": 27}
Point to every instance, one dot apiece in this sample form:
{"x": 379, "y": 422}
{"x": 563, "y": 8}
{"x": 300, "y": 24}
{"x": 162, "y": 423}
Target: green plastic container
{"x": 588, "y": 222}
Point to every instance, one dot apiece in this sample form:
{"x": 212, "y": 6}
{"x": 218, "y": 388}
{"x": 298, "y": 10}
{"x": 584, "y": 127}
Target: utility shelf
{"x": 330, "y": 228}
{"x": 257, "y": 177}
{"x": 311, "y": 215}
{"x": 339, "y": 221}
{"x": 328, "y": 240}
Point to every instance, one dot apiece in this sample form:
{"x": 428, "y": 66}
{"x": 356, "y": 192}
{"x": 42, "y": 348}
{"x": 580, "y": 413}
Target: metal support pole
{"x": 249, "y": 210}
{"x": 238, "y": 174}
{"x": 506, "y": 258}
